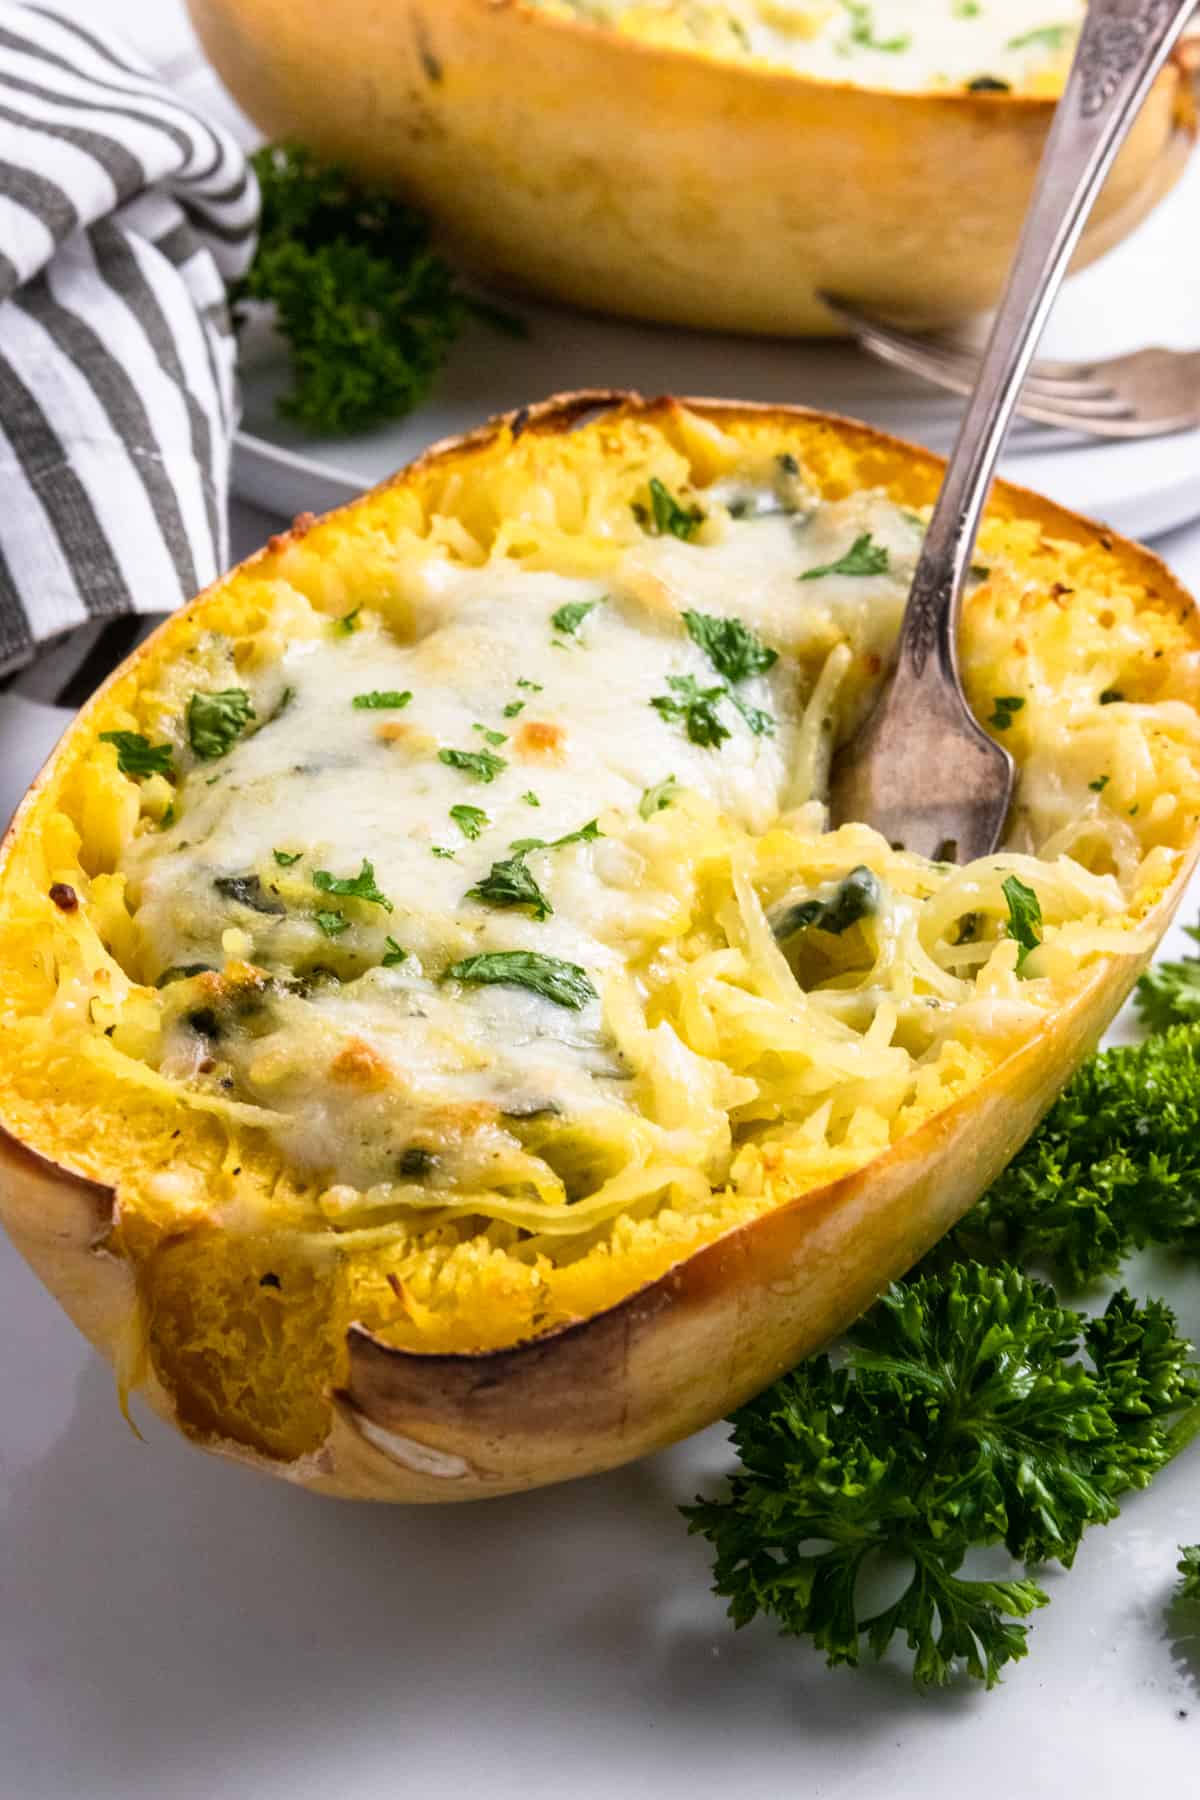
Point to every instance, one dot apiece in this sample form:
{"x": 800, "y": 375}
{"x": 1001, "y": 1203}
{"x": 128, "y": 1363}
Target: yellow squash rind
{"x": 632, "y": 177}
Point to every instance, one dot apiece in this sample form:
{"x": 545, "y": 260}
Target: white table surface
{"x": 173, "y": 1628}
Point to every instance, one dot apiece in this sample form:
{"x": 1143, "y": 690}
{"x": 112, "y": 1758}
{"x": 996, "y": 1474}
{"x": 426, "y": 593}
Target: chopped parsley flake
{"x": 530, "y": 798}
{"x": 587, "y": 834}
{"x": 862, "y": 31}
{"x": 492, "y": 737}
{"x": 444, "y": 851}
{"x": 470, "y": 820}
{"x": 1051, "y": 37}
{"x": 332, "y": 923}
{"x": 393, "y": 954}
{"x": 565, "y": 983}
{"x": 570, "y": 617}
{"x": 285, "y": 858}
{"x": 731, "y": 647}
{"x": 513, "y": 708}
{"x": 355, "y": 887}
{"x": 533, "y": 687}
{"x": 347, "y": 625}
{"x": 382, "y": 700}
{"x": 216, "y": 721}
{"x": 695, "y": 707}
{"x": 136, "y": 755}
{"x": 666, "y": 516}
{"x": 509, "y": 883}
{"x": 1006, "y": 706}
{"x": 1101, "y": 782}
{"x": 864, "y": 557}
{"x": 479, "y": 763}
{"x": 656, "y": 799}
{"x": 1024, "y": 916}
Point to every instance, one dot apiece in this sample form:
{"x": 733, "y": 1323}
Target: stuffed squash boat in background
{"x": 445, "y": 1050}
{"x": 782, "y": 148}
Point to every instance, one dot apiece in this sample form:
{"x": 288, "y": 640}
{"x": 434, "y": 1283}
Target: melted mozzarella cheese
{"x": 899, "y": 44}
{"x": 563, "y": 719}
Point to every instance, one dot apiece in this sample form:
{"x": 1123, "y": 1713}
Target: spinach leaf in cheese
{"x": 857, "y": 897}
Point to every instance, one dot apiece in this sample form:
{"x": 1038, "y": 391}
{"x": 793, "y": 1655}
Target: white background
{"x": 174, "y": 1628}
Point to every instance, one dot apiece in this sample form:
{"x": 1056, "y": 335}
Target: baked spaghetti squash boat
{"x": 444, "y": 1047}
{"x": 710, "y": 164}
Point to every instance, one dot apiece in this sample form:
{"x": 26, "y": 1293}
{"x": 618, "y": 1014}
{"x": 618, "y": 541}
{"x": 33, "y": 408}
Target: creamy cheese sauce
{"x": 540, "y": 723}
{"x": 900, "y": 44}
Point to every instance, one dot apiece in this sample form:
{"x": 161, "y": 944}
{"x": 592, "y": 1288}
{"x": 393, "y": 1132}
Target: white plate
{"x": 1146, "y": 291}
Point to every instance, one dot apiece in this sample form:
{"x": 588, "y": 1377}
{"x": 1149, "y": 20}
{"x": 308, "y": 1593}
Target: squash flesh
{"x": 232, "y": 1369}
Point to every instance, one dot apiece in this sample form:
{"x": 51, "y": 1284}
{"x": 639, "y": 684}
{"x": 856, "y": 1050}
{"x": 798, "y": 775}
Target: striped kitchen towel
{"x": 123, "y": 213}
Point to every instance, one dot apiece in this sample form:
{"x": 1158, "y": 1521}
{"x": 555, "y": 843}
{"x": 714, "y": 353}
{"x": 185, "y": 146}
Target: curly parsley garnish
{"x": 864, "y": 557}
{"x": 216, "y": 721}
{"x": 973, "y": 1410}
{"x": 368, "y": 308}
{"x": 354, "y": 887}
{"x": 565, "y": 983}
{"x": 1169, "y": 992}
{"x": 136, "y": 755}
{"x": 482, "y": 764}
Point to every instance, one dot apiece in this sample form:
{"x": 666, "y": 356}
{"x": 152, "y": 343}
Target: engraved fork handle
{"x": 1122, "y": 47}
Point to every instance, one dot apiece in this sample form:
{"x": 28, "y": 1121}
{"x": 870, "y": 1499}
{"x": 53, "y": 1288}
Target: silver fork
{"x": 921, "y": 770}
{"x": 1148, "y": 393}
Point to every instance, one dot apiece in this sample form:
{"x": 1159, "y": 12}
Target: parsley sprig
{"x": 974, "y": 1410}
{"x": 1169, "y": 992}
{"x": 1115, "y": 1165}
{"x": 369, "y": 310}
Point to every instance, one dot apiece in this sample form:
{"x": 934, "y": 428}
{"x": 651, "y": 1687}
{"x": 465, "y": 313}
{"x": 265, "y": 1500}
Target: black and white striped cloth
{"x": 123, "y": 213}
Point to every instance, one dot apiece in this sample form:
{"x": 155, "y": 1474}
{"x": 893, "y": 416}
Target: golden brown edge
{"x": 496, "y": 1421}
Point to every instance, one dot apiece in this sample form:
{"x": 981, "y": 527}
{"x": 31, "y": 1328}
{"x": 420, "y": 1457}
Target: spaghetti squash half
{"x": 445, "y": 1049}
{"x": 715, "y": 164}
